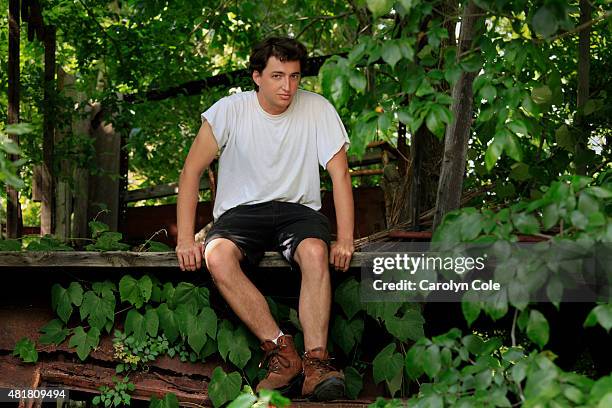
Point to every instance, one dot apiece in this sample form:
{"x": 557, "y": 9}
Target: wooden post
{"x": 47, "y": 211}
{"x": 457, "y": 134}
{"x": 14, "y": 222}
{"x": 63, "y": 187}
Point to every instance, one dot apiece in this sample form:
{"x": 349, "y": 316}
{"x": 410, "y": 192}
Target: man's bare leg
{"x": 223, "y": 261}
{"x": 315, "y": 292}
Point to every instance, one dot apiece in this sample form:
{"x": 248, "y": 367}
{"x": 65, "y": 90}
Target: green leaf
{"x": 167, "y": 322}
{"x": 340, "y": 91}
{"x": 565, "y": 138}
{"x": 233, "y": 344}
{"x": 98, "y": 310}
{"x": 97, "y": 228}
{"x": 25, "y": 350}
{"x": 409, "y": 326}
{"x": 154, "y": 246}
{"x": 346, "y": 334}
{"x": 190, "y": 295}
{"x": 424, "y": 88}
{"x": 245, "y": 400}
{"x": 197, "y": 329}
{"x": 108, "y": 241}
{"x": 357, "y": 80}
{"x": 135, "y": 323}
{"x": 414, "y": 361}
{"x": 537, "y": 328}
{"x": 550, "y": 216}
{"x": 84, "y": 342}
{"x": 168, "y": 401}
{"x": 493, "y": 152}
{"x": 541, "y": 94}
{"x": 599, "y": 192}
{"x": 391, "y": 53}
{"x": 379, "y": 7}
{"x": 526, "y": 223}
{"x": 387, "y": 364}
{"x": 431, "y": 361}
{"x": 347, "y": 296}
{"x": 470, "y": 309}
{"x": 488, "y": 92}
{"x": 223, "y": 387}
{"x": 61, "y": 303}
{"x": 601, "y": 314}
{"x": 354, "y": 382}
{"x": 587, "y": 204}
{"x": 54, "y": 332}
{"x": 10, "y": 245}
{"x": 136, "y": 292}
{"x": 545, "y": 22}
{"x": 151, "y": 322}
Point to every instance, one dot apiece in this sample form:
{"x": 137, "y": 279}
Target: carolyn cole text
{"x": 425, "y": 285}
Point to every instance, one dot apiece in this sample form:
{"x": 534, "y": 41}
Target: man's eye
{"x": 276, "y": 76}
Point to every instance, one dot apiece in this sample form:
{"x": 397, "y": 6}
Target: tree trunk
{"x": 458, "y": 133}
{"x": 47, "y": 210}
{"x": 14, "y": 222}
{"x": 584, "y": 56}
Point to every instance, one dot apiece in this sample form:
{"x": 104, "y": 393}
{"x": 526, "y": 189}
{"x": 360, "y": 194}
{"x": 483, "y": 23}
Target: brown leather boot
{"x": 322, "y": 382}
{"x": 284, "y": 365}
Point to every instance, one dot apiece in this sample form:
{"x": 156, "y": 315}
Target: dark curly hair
{"x": 285, "y": 49}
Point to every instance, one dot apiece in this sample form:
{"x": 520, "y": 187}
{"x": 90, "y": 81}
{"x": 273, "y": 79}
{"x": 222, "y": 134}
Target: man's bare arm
{"x": 202, "y": 153}
{"x": 342, "y": 250}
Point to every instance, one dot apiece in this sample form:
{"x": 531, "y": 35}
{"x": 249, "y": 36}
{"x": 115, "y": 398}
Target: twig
{"x": 512, "y": 335}
{"x": 579, "y": 28}
{"x": 320, "y": 18}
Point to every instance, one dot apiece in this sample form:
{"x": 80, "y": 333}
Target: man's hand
{"x": 190, "y": 255}
{"x": 341, "y": 254}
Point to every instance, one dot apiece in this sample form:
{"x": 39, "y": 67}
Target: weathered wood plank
{"x": 122, "y": 259}
{"x": 162, "y": 190}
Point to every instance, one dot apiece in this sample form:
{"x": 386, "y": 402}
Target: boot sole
{"x": 330, "y": 389}
{"x": 294, "y": 388}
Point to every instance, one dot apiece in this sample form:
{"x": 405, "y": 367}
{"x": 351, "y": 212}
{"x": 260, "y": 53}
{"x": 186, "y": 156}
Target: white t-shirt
{"x": 268, "y": 157}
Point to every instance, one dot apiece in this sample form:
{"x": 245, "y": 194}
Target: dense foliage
{"x": 543, "y": 160}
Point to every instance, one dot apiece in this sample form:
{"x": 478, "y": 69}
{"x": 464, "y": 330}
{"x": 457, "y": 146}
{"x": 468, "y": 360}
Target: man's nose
{"x": 286, "y": 83}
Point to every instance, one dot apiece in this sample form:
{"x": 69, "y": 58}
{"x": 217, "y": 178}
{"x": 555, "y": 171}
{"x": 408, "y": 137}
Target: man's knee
{"x": 311, "y": 251}
{"x": 220, "y": 254}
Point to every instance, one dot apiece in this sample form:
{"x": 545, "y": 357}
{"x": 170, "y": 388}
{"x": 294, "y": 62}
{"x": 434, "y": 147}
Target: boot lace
{"x": 274, "y": 359}
{"x": 321, "y": 365}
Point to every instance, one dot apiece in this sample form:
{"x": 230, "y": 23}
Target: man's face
{"x": 278, "y": 83}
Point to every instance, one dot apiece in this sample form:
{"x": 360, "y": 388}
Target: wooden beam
{"x": 227, "y": 79}
{"x": 14, "y": 222}
{"x": 163, "y": 190}
{"x": 123, "y": 259}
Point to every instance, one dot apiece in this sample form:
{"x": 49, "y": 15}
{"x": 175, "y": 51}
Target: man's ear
{"x": 256, "y": 77}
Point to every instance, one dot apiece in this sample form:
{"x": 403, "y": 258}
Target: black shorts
{"x": 271, "y": 226}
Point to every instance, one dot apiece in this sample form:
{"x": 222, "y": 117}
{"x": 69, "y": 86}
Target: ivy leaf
{"x": 84, "y": 342}
{"x": 197, "y": 329}
{"x": 167, "y": 322}
{"x": 189, "y": 294}
{"x": 470, "y": 306}
{"x": 601, "y": 314}
{"x": 537, "y": 328}
{"x": 223, "y": 387}
{"x": 135, "y": 323}
{"x": 354, "y": 382}
{"x": 244, "y": 400}
{"x": 108, "y": 241}
{"x": 346, "y": 334}
{"x": 379, "y": 7}
{"x": 155, "y": 246}
{"x": 409, "y": 326}
{"x": 493, "y": 152}
{"x": 97, "y": 309}
{"x": 224, "y": 338}
{"x": 136, "y": 292}
{"x": 54, "y": 332}
{"x": 347, "y": 296}
{"x": 387, "y": 364}
{"x": 61, "y": 303}
{"x": 97, "y": 228}
{"x": 25, "y": 350}
{"x": 151, "y": 321}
